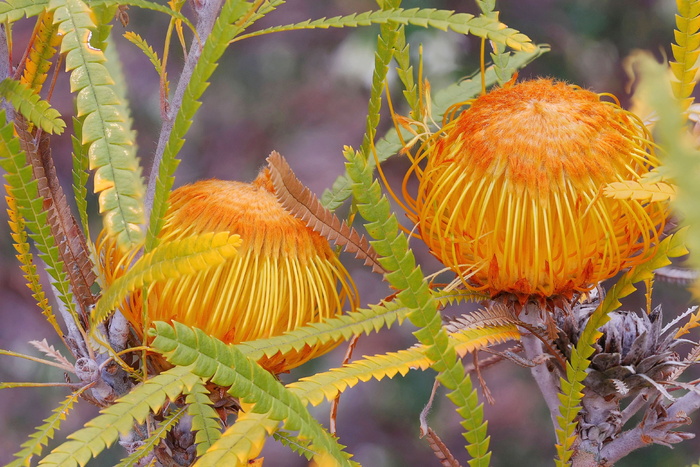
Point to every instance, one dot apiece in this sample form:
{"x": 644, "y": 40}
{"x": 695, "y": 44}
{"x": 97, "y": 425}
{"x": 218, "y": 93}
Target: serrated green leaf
{"x": 344, "y": 326}
{"x": 580, "y": 355}
{"x": 226, "y": 366}
{"x": 295, "y": 444}
{"x": 172, "y": 259}
{"x": 152, "y": 56}
{"x": 13, "y": 10}
{"x": 240, "y": 442}
{"x": 80, "y": 175}
{"x": 40, "y": 438}
{"x": 463, "y": 23}
{"x": 327, "y": 385}
{"x": 150, "y": 443}
{"x": 31, "y": 106}
{"x": 206, "y": 423}
{"x": 686, "y": 51}
{"x": 44, "y": 44}
{"x": 414, "y": 290}
{"x": 24, "y": 189}
{"x": 105, "y": 129}
{"x": 224, "y": 30}
{"x": 103, "y": 430}
{"x": 26, "y": 258}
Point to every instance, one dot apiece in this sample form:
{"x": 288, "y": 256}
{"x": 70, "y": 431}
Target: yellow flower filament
{"x": 509, "y": 193}
{"x": 284, "y": 276}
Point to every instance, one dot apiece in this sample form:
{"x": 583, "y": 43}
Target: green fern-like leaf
{"x": 154, "y": 439}
{"x": 386, "y": 41}
{"x": 444, "y": 20}
{"x": 152, "y": 56}
{"x": 80, "y": 175}
{"x": 344, "y": 326}
{"x": 501, "y": 57}
{"x": 326, "y": 386}
{"x": 32, "y": 106}
{"x": 103, "y": 15}
{"x": 205, "y": 421}
{"x": 26, "y": 259}
{"x": 24, "y": 189}
{"x": 226, "y": 366}
{"x": 170, "y": 260}
{"x": 395, "y": 256}
{"x": 293, "y": 443}
{"x": 366, "y": 321}
{"x": 103, "y": 430}
{"x": 404, "y": 71}
{"x": 13, "y": 10}
{"x": 117, "y": 176}
{"x": 572, "y": 387}
{"x": 44, "y": 45}
{"x": 686, "y": 51}
{"x": 241, "y": 442}
{"x": 40, "y": 438}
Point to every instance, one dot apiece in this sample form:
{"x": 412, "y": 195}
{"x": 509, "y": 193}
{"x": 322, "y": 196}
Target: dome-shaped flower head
{"x": 510, "y": 191}
{"x": 284, "y": 275}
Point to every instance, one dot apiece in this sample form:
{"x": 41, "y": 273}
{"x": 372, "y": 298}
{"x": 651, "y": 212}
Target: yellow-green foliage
{"x": 671, "y": 247}
{"x": 117, "y": 176}
{"x": 686, "y": 51}
{"x": 104, "y": 430}
{"x": 203, "y": 371}
{"x": 170, "y": 260}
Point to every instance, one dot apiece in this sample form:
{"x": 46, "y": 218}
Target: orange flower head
{"x": 284, "y": 275}
{"x": 510, "y": 191}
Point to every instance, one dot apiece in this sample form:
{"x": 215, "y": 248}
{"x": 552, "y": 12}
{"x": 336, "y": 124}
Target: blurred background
{"x": 305, "y": 94}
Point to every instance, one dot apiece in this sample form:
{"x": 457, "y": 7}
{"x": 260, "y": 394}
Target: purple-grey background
{"x": 305, "y": 95}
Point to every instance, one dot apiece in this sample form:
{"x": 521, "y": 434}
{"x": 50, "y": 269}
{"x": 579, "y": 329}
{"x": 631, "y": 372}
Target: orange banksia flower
{"x": 284, "y": 276}
{"x": 510, "y": 191}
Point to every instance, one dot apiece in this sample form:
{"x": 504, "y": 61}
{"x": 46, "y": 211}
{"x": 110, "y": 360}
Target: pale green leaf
{"x": 170, "y": 260}
{"x": 32, "y": 106}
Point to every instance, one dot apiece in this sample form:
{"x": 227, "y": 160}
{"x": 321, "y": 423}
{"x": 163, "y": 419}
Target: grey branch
{"x": 547, "y": 380}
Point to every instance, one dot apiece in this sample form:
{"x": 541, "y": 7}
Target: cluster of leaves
{"x": 149, "y": 407}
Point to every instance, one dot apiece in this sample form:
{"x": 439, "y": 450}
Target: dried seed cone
{"x": 510, "y": 191}
{"x": 284, "y": 276}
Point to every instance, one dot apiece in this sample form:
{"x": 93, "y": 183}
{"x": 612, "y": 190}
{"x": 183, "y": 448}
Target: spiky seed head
{"x": 632, "y": 353}
{"x": 284, "y": 276}
{"x": 510, "y": 191}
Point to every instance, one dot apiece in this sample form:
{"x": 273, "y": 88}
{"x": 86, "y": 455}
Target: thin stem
{"x": 5, "y": 70}
{"x": 336, "y": 401}
{"x": 547, "y": 380}
{"x": 634, "y": 406}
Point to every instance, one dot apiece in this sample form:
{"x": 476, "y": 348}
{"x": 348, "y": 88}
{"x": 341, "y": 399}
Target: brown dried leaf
{"x": 69, "y": 237}
{"x": 495, "y": 315}
{"x": 46, "y": 348}
{"x": 440, "y": 450}
{"x": 302, "y": 203}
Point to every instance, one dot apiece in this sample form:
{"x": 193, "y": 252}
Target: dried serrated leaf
{"x": 302, "y": 203}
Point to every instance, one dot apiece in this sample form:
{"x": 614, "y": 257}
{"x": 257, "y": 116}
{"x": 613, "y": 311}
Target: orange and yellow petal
{"x": 510, "y": 191}
{"x": 284, "y": 276}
